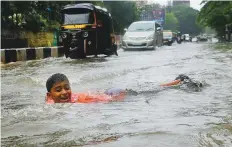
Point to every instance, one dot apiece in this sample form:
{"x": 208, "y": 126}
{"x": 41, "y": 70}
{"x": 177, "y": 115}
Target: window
{"x": 141, "y": 27}
{"x": 156, "y": 26}
{"x": 78, "y": 16}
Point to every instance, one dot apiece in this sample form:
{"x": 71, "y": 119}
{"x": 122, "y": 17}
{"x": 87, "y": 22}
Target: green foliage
{"x": 152, "y": 7}
{"x": 187, "y": 19}
{"x": 171, "y": 22}
{"x": 208, "y": 30}
{"x": 216, "y": 14}
{"x": 45, "y": 15}
{"x": 178, "y": 18}
{"x": 123, "y": 13}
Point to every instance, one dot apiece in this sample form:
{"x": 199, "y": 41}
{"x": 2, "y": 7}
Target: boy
{"x": 59, "y": 91}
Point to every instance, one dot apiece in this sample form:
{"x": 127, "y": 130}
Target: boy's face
{"x": 60, "y": 92}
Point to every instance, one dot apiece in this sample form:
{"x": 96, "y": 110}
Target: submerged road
{"x": 155, "y": 117}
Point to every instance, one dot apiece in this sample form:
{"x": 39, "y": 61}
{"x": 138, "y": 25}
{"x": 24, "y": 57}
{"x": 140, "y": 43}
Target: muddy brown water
{"x": 155, "y": 117}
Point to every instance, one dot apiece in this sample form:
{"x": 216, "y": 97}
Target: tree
{"x": 45, "y": 15}
{"x": 124, "y": 16}
{"x": 35, "y": 15}
{"x": 171, "y": 22}
{"x": 216, "y": 14}
{"x": 187, "y": 19}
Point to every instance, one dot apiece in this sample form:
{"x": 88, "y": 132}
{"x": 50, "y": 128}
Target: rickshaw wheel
{"x": 80, "y": 54}
{"x": 66, "y": 52}
{"x": 77, "y": 54}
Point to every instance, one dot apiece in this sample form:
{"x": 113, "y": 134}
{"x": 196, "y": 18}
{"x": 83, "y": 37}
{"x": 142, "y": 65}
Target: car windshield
{"x": 141, "y": 27}
{"x": 167, "y": 34}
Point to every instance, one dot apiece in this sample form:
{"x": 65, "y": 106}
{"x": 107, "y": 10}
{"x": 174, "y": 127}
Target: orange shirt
{"x": 91, "y": 98}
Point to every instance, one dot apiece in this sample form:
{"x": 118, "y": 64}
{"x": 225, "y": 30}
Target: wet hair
{"x": 58, "y": 77}
{"x": 182, "y": 77}
{"x": 190, "y": 82}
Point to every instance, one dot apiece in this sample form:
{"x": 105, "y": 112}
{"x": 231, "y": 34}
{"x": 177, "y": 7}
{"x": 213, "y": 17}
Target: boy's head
{"x": 182, "y": 77}
{"x": 58, "y": 88}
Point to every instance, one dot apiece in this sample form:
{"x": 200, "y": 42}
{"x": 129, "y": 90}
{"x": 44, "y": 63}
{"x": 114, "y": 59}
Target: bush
{"x": 40, "y": 39}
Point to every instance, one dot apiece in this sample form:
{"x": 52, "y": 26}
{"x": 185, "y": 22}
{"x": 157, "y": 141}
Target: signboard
{"x": 159, "y": 16}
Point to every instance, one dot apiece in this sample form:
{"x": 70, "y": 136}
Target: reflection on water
{"x": 85, "y": 60}
{"x": 220, "y": 135}
{"x": 149, "y": 116}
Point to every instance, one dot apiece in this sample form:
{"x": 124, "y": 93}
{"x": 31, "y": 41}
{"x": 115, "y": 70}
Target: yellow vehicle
{"x": 87, "y": 30}
{"x": 167, "y": 37}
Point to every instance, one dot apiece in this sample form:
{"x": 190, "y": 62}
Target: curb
{"x": 25, "y": 54}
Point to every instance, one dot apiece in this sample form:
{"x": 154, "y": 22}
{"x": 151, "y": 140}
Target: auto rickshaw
{"x": 87, "y": 30}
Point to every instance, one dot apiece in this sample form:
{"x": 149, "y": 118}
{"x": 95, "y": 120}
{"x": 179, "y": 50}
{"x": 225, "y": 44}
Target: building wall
{"x": 141, "y": 3}
{"x": 181, "y": 2}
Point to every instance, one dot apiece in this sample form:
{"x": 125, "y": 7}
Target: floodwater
{"x": 155, "y": 117}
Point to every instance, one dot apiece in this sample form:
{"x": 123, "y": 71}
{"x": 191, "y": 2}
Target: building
{"x": 181, "y": 2}
{"x": 169, "y": 3}
{"x": 140, "y": 4}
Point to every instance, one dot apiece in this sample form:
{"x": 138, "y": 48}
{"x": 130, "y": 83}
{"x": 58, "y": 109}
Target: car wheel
{"x": 154, "y": 45}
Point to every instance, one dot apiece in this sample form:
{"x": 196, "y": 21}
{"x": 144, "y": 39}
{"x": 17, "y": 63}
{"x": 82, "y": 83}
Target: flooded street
{"x": 159, "y": 117}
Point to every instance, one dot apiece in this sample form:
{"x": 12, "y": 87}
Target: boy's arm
{"x": 90, "y": 98}
{"x": 114, "y": 91}
{"x": 107, "y": 96}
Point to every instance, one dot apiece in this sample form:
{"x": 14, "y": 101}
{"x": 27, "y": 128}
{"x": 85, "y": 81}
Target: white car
{"x": 187, "y": 37}
{"x": 142, "y": 35}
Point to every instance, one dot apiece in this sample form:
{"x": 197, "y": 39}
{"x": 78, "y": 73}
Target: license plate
{"x": 136, "y": 43}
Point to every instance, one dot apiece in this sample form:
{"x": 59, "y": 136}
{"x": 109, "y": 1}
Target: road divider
{"x": 24, "y": 54}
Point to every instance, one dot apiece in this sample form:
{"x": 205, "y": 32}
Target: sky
{"x": 193, "y": 3}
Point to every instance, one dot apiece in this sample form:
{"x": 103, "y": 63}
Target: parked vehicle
{"x": 167, "y": 37}
{"x": 142, "y": 35}
{"x": 179, "y": 38}
{"x": 87, "y": 30}
{"x": 202, "y": 38}
{"x": 187, "y": 37}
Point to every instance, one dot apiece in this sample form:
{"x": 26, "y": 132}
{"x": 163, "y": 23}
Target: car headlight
{"x": 150, "y": 37}
{"x": 85, "y": 34}
{"x": 64, "y": 35}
